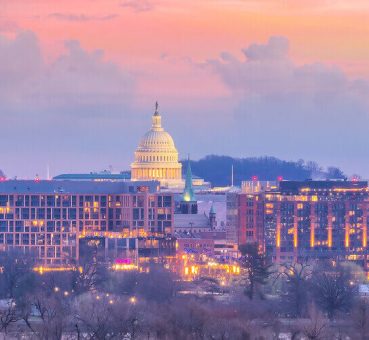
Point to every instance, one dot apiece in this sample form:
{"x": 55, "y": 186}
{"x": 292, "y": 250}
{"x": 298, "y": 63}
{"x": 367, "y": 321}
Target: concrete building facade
{"x": 47, "y": 218}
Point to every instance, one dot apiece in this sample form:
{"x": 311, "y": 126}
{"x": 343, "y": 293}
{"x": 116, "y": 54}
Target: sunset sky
{"x": 79, "y": 79}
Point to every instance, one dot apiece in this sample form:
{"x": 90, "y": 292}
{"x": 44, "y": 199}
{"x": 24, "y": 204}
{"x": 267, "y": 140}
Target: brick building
{"x": 317, "y": 219}
{"x": 298, "y": 220}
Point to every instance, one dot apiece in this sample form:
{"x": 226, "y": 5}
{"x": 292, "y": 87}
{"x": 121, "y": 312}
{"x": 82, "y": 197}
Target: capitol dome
{"x": 157, "y": 140}
{"x": 156, "y": 157}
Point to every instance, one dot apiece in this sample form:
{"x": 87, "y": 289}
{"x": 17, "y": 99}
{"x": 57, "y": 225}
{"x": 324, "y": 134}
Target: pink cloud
{"x": 77, "y": 77}
{"x": 81, "y": 17}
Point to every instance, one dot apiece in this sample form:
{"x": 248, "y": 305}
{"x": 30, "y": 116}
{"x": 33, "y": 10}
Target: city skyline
{"x": 81, "y": 79}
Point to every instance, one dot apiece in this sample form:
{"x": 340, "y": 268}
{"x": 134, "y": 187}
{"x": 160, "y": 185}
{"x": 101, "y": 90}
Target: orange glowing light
{"x": 124, "y": 267}
{"x": 312, "y": 237}
{"x": 365, "y": 237}
{"x": 347, "y": 236}
{"x": 329, "y": 237}
{"x": 41, "y": 269}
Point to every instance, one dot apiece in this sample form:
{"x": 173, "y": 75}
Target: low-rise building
{"x": 48, "y": 218}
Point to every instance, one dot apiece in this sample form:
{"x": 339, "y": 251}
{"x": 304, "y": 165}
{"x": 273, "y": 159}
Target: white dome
{"x": 157, "y": 141}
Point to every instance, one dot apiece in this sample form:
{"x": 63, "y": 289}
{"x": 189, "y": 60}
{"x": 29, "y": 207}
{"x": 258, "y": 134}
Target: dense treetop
{"x": 217, "y": 169}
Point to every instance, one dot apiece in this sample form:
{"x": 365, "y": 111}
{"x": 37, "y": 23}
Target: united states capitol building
{"x": 156, "y": 157}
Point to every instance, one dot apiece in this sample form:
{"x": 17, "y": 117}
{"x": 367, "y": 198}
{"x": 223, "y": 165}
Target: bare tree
{"x": 108, "y": 317}
{"x": 297, "y": 277}
{"x": 317, "y": 326}
{"x": 332, "y": 290}
{"x": 335, "y": 173}
{"x": 8, "y": 316}
{"x": 209, "y": 284}
{"x": 257, "y": 270}
{"x": 360, "y": 319}
{"x": 157, "y": 285}
{"x": 16, "y": 276}
{"x": 52, "y": 313}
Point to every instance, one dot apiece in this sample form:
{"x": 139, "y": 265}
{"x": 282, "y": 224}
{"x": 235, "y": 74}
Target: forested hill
{"x": 217, "y": 169}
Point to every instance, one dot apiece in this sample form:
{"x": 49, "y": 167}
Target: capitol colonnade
{"x": 156, "y": 173}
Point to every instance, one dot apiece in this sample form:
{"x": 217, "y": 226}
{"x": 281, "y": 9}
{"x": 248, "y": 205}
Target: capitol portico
{"x": 156, "y": 157}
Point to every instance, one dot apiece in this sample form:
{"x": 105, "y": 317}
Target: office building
{"x": 47, "y": 218}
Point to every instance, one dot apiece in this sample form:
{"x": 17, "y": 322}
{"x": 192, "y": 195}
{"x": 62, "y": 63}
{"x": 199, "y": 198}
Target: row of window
{"x": 162, "y": 158}
{"x": 83, "y": 201}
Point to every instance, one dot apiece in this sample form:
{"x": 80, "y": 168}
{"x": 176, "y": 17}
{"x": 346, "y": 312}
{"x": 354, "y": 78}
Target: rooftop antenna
{"x": 232, "y": 177}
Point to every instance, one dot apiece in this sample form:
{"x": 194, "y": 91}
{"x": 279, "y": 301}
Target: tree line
{"x": 217, "y": 169}
{"x": 309, "y": 300}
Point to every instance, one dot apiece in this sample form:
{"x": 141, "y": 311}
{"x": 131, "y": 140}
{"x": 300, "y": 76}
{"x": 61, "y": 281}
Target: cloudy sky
{"x": 284, "y": 78}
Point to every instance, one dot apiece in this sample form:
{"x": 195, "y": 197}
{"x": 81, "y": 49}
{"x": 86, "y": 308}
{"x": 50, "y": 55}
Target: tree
{"x": 297, "y": 277}
{"x": 257, "y": 270}
{"x": 316, "y": 171}
{"x": 8, "y": 316}
{"x": 52, "y": 312}
{"x": 360, "y": 318}
{"x": 335, "y": 173}
{"x": 332, "y": 289}
{"x": 156, "y": 285}
{"x": 91, "y": 274}
{"x": 16, "y": 275}
{"x": 93, "y": 316}
{"x": 112, "y": 317}
{"x": 124, "y": 283}
{"x": 209, "y": 284}
{"x": 317, "y": 326}
{"x": 217, "y": 169}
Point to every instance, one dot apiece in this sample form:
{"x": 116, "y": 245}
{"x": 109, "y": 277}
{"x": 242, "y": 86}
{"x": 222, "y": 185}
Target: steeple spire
{"x": 212, "y": 210}
{"x": 212, "y": 216}
{"x": 188, "y": 194}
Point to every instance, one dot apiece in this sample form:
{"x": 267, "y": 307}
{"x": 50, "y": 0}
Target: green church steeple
{"x": 188, "y": 194}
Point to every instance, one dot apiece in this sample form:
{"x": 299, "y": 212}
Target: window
{"x": 50, "y": 201}
{"x": 3, "y": 200}
{"x": 25, "y": 213}
{"x": 72, "y": 213}
{"x": 35, "y": 201}
{"x": 20, "y": 201}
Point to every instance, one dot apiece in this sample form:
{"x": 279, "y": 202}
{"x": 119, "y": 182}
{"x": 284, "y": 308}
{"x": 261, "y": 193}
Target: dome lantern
{"x": 156, "y": 119}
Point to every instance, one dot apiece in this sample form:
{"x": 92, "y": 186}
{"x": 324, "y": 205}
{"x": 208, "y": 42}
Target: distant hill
{"x": 217, "y": 169}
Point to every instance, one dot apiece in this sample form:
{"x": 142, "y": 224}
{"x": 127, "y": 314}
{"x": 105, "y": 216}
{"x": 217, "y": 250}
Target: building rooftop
{"x": 213, "y": 234}
{"x": 204, "y": 235}
{"x": 191, "y": 221}
{"x": 75, "y": 187}
{"x": 100, "y": 176}
{"x": 297, "y": 186}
